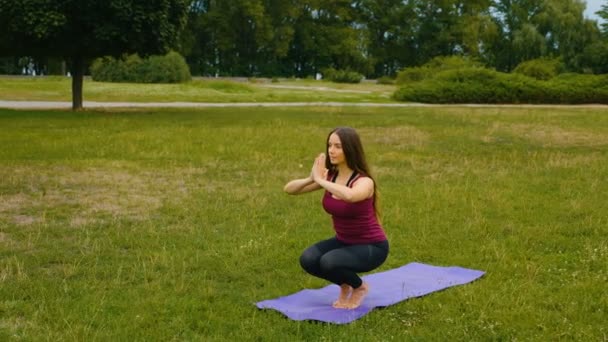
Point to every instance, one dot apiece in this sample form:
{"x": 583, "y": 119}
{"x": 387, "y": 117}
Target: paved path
{"x": 93, "y": 104}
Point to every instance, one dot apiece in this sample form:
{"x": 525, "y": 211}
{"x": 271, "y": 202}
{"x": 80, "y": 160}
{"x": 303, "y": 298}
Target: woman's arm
{"x": 300, "y": 186}
{"x": 362, "y": 189}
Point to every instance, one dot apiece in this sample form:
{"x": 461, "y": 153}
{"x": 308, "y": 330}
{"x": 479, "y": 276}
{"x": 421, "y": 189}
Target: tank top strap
{"x": 353, "y": 178}
{"x": 332, "y": 177}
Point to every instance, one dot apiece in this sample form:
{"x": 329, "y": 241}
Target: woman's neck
{"x": 343, "y": 169}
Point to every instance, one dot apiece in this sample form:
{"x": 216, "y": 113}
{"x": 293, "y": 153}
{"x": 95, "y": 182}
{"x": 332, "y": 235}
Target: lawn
{"x": 170, "y": 224}
{"x": 56, "y": 88}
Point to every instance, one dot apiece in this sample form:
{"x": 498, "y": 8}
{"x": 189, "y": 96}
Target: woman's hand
{"x": 319, "y": 172}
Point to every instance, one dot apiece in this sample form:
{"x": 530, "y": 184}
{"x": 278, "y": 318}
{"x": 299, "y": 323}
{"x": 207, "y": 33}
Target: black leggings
{"x": 338, "y": 262}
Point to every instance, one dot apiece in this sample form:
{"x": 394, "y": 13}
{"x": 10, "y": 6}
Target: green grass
{"x": 200, "y": 90}
{"x": 170, "y": 224}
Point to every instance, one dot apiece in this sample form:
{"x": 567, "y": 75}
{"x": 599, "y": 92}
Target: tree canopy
{"x": 303, "y": 37}
{"x": 379, "y": 37}
{"x": 80, "y": 30}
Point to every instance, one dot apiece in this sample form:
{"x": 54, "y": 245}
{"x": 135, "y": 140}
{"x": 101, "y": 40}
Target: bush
{"x": 55, "y": 66}
{"x": 452, "y": 62}
{"x": 480, "y": 85}
{"x": 170, "y": 68}
{"x": 595, "y": 57}
{"x": 579, "y": 88}
{"x": 385, "y": 80}
{"x": 540, "y": 69}
{"x": 9, "y": 66}
{"x": 342, "y": 76}
{"x": 328, "y": 73}
{"x": 430, "y": 69}
{"x": 415, "y": 74}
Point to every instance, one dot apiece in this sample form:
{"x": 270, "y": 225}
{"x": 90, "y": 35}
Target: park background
{"x": 286, "y": 38}
{"x": 159, "y": 223}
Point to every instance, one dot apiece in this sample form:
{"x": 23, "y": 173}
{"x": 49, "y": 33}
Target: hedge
{"x": 481, "y": 85}
{"x": 170, "y": 68}
{"x": 342, "y": 76}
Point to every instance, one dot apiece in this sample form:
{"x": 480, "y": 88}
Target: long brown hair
{"x": 354, "y": 155}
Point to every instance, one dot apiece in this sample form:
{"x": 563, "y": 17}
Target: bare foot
{"x": 342, "y": 301}
{"x": 357, "y": 296}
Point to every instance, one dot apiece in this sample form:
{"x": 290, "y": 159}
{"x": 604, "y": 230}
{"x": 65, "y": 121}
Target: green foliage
{"x": 603, "y": 13}
{"x": 413, "y": 74}
{"x": 82, "y": 30}
{"x": 171, "y": 68}
{"x": 56, "y": 66}
{"x": 263, "y": 38}
{"x": 110, "y": 69}
{"x": 540, "y": 68}
{"x": 480, "y": 85}
{"x": 9, "y": 66}
{"x": 452, "y": 62}
{"x": 431, "y": 68}
{"x": 341, "y": 76}
{"x": 385, "y": 80}
{"x": 90, "y": 28}
{"x": 594, "y": 58}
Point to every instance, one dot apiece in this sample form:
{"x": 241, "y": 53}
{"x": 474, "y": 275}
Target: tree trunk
{"x": 77, "y": 77}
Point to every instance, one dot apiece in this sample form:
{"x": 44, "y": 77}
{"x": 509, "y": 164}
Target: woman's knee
{"x": 328, "y": 263}
{"x": 309, "y": 260}
{"x": 378, "y": 257}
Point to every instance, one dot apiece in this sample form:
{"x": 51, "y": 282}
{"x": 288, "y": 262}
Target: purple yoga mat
{"x": 386, "y": 288}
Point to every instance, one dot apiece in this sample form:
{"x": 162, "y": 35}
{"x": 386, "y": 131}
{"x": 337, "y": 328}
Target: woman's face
{"x": 334, "y": 150}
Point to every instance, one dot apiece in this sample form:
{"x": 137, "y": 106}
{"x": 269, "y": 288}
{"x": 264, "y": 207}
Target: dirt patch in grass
{"x": 549, "y": 136}
{"x": 12, "y": 325}
{"x": 6, "y": 240}
{"x": 83, "y": 196}
{"x": 399, "y": 137}
{"x": 563, "y": 160}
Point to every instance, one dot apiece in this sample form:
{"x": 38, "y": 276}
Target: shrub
{"x": 108, "y": 69}
{"x": 347, "y": 76}
{"x": 480, "y": 85}
{"x": 328, "y": 73}
{"x": 55, "y": 66}
{"x": 385, "y": 80}
{"x": 415, "y": 74}
{"x": 341, "y": 76}
{"x": 9, "y": 66}
{"x": 170, "y": 68}
{"x": 595, "y": 57}
{"x": 451, "y": 62}
{"x": 431, "y": 68}
{"x": 540, "y": 69}
{"x": 579, "y": 88}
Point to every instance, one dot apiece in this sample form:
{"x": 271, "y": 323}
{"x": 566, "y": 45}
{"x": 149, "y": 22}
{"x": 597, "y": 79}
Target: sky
{"x": 592, "y": 7}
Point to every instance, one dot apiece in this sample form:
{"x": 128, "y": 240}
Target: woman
{"x": 360, "y": 244}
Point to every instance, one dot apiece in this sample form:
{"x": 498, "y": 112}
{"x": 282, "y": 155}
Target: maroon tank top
{"x": 354, "y": 223}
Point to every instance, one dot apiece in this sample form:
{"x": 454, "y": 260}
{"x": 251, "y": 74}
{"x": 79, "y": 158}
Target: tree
{"x": 568, "y": 32}
{"x": 391, "y": 29}
{"x": 328, "y": 35}
{"x": 81, "y": 30}
{"x": 519, "y": 39}
{"x": 603, "y": 13}
{"x": 476, "y": 28}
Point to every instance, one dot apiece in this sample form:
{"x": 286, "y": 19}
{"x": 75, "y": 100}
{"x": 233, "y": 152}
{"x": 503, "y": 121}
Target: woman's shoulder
{"x": 361, "y": 178}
